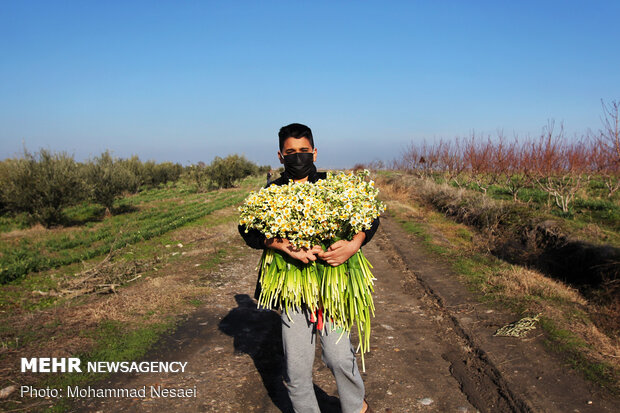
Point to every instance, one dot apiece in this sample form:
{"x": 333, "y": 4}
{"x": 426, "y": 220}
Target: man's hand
{"x": 342, "y": 250}
{"x": 304, "y": 255}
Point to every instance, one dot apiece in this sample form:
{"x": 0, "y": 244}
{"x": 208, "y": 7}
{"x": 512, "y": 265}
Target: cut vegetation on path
{"x": 184, "y": 295}
{"x": 426, "y": 352}
{"x": 116, "y": 305}
{"x": 579, "y": 323}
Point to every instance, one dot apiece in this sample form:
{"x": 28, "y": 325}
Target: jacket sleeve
{"x": 254, "y": 238}
{"x": 371, "y": 231}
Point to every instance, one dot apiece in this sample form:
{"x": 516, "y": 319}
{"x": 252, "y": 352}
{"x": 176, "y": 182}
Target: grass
{"x": 14, "y": 222}
{"x": 591, "y": 206}
{"x": 121, "y": 326}
{"x": 418, "y": 230}
{"x": 53, "y": 249}
{"x": 573, "y": 349}
{"x": 115, "y": 342}
{"x": 567, "y": 324}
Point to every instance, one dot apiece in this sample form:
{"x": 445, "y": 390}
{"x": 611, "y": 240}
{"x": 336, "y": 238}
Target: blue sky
{"x": 186, "y": 81}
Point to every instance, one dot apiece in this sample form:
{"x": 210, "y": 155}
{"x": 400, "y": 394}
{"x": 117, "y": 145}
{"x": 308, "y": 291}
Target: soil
{"x": 432, "y": 349}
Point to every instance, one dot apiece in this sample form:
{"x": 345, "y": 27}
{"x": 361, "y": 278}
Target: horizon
{"x": 188, "y": 82}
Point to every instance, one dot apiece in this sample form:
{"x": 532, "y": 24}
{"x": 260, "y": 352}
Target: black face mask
{"x": 299, "y": 165}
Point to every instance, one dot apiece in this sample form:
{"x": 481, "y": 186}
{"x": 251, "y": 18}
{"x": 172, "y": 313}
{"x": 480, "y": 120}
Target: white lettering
{"x": 59, "y": 364}
{"x": 74, "y": 365}
{"x": 29, "y": 365}
{"x": 133, "y": 367}
{"x": 44, "y": 365}
{"x": 137, "y": 367}
{"x": 30, "y": 391}
{"x": 113, "y": 367}
{"x": 51, "y": 365}
{"x": 76, "y": 391}
{"x": 158, "y": 391}
{"x": 183, "y": 366}
{"x": 72, "y": 392}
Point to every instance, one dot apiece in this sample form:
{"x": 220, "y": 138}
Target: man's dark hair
{"x": 295, "y": 130}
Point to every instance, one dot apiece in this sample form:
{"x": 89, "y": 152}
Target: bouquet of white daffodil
{"x": 310, "y": 214}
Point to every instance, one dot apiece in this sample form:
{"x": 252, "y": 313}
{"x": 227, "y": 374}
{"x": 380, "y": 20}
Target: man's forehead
{"x": 292, "y": 142}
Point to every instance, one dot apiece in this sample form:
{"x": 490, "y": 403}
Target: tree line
{"x": 551, "y": 162}
{"x": 43, "y": 183}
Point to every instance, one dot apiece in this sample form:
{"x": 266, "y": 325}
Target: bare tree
{"x": 477, "y": 156}
{"x": 559, "y": 166}
{"x": 451, "y": 161}
{"x": 608, "y": 143}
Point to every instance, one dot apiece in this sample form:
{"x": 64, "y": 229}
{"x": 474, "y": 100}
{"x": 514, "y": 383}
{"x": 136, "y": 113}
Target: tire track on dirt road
{"x": 478, "y": 379}
{"x": 234, "y": 351}
{"x": 420, "y": 359}
{"x": 496, "y": 373}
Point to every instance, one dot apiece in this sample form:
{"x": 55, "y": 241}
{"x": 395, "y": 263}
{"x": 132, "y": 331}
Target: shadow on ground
{"x": 258, "y": 333}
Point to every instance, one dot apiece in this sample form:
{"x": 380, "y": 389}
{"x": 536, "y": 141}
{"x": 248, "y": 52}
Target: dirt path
{"x": 426, "y": 354}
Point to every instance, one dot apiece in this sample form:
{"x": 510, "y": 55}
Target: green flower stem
{"x": 344, "y": 292}
{"x": 287, "y": 282}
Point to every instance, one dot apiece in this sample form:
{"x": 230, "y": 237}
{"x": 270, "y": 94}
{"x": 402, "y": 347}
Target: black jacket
{"x": 256, "y": 239}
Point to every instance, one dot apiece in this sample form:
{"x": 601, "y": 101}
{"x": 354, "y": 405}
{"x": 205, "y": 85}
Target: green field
{"x": 150, "y": 214}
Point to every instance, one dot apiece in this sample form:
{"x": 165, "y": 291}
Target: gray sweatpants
{"x": 299, "y": 343}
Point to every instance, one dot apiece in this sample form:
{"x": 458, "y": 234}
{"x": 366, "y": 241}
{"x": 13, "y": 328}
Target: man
{"x": 298, "y": 154}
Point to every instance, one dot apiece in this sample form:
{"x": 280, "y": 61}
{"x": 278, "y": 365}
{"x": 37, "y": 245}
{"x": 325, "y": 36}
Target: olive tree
{"x": 224, "y": 172}
{"x": 107, "y": 179}
{"x": 41, "y": 184}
